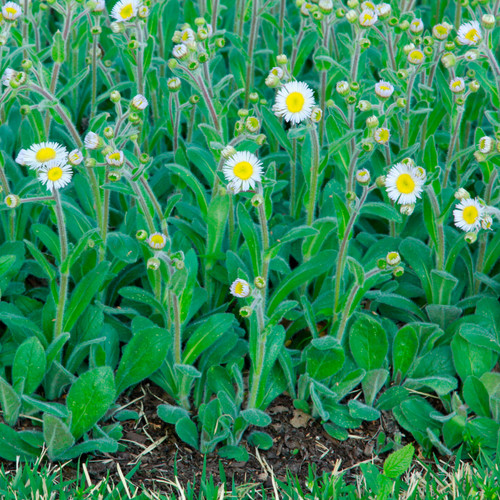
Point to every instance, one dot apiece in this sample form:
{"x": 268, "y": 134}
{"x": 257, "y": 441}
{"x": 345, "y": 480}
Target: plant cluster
{"x": 242, "y": 199}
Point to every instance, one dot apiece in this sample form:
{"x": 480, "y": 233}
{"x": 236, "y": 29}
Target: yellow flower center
{"x": 114, "y": 156}
{"x": 416, "y": 55}
{"x": 392, "y": 255}
{"x": 295, "y": 102}
{"x": 366, "y": 18}
{"x": 157, "y": 239}
{"x": 472, "y": 35}
{"x": 405, "y": 184}
{"x": 470, "y": 214}
{"x": 369, "y": 5}
{"x": 441, "y": 30}
{"x": 383, "y": 135}
{"x": 45, "y": 154}
{"x": 238, "y": 289}
{"x": 11, "y": 10}
{"x": 54, "y": 174}
{"x": 127, "y": 11}
{"x": 456, "y": 84}
{"x": 243, "y": 170}
{"x": 384, "y": 87}
{"x": 185, "y": 36}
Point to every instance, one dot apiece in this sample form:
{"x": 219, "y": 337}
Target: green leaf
{"x": 83, "y": 294}
{"x": 418, "y": 256}
{"x": 10, "y": 402}
{"x": 206, "y": 335}
{"x": 304, "y": 50}
{"x": 217, "y": 217}
{"x": 323, "y": 361}
{"x": 237, "y": 453}
{"x": 442, "y": 385}
{"x": 41, "y": 259}
{"x": 256, "y": 417}
{"x": 306, "y": 272}
{"x": 443, "y": 284}
{"x": 260, "y": 440}
{"x": 404, "y": 350}
{"x": 247, "y": 226}
{"x": 142, "y": 296}
{"x": 13, "y": 446}
{"x": 476, "y": 396}
{"x": 362, "y": 411}
{"x": 381, "y": 210}
{"x": 171, "y": 414}
{"x": 372, "y": 383}
{"x": 57, "y": 436}
{"x": 48, "y": 238}
{"x": 399, "y": 462}
{"x": 29, "y": 366}
{"x": 270, "y": 121}
{"x": 356, "y": 269}
{"x": 186, "y": 430}
{"x": 193, "y": 183}
{"x": 142, "y": 356}
{"x": 368, "y": 342}
{"x": 89, "y": 398}
{"x": 122, "y": 247}
{"x": 470, "y": 359}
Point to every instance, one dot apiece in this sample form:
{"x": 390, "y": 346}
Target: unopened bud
{"x": 12, "y": 200}
{"x": 372, "y": 122}
{"x": 470, "y": 237}
{"x": 407, "y": 209}
{"x": 393, "y": 258}
{"x": 115, "y": 96}
{"x": 462, "y": 194}
{"x": 114, "y": 176}
{"x": 245, "y": 311}
{"x": 153, "y": 263}
{"x": 141, "y": 235}
{"x": 257, "y": 200}
{"x": 398, "y": 271}
{"x": 259, "y": 282}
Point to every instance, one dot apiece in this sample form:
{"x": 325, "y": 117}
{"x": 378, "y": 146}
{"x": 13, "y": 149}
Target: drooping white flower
{"x": 242, "y": 171}
{"x": 11, "y": 11}
{"x": 91, "y": 140}
{"x": 139, "y": 102}
{"x": 294, "y": 102}
{"x": 457, "y": 85}
{"x": 7, "y": 76}
{"x": 115, "y": 158}
{"x": 403, "y": 184}
{"x": 180, "y": 51}
{"x": 240, "y": 288}
{"x": 20, "y": 157}
{"x": 417, "y": 26}
{"x": 75, "y": 157}
{"x": 486, "y": 145}
{"x": 384, "y": 89}
{"x": 368, "y": 18}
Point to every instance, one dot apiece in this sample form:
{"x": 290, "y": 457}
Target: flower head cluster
{"x": 472, "y": 214}
{"x": 125, "y": 10}
{"x": 51, "y": 162}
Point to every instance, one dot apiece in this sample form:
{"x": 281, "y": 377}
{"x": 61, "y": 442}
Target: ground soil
{"x": 299, "y": 442}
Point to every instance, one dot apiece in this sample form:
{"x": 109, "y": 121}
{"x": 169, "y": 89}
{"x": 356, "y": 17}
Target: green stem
{"x": 451, "y": 147}
{"x": 314, "y": 175}
{"x": 257, "y": 369}
{"x": 352, "y": 295}
{"x": 293, "y": 176}
{"x": 63, "y": 284}
{"x": 177, "y": 329}
{"x": 140, "y": 59}
{"x": 254, "y": 28}
{"x": 339, "y": 273}
{"x": 407, "y": 110}
{"x": 440, "y": 229}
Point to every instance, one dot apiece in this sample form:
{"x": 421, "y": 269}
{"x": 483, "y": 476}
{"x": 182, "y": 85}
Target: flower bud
{"x": 407, "y": 209}
{"x": 12, "y": 200}
{"x": 220, "y": 42}
{"x": 372, "y": 122}
{"x": 259, "y": 282}
{"x": 109, "y": 133}
{"x": 261, "y": 139}
{"x": 363, "y": 177}
{"x": 350, "y": 99}
{"x": 174, "y": 84}
{"x": 351, "y": 16}
{"x": 404, "y": 25}
{"x": 352, "y": 4}
{"x": 25, "y": 109}
{"x": 115, "y": 96}
{"x": 364, "y": 43}
{"x": 449, "y": 45}
{"x": 382, "y": 264}
{"x": 448, "y": 60}
{"x": 354, "y": 86}
{"x": 488, "y": 21}
{"x": 342, "y": 88}
{"x": 114, "y": 176}
{"x": 95, "y": 30}
{"x": 141, "y": 235}
{"x": 117, "y": 27}
{"x": 194, "y": 99}
{"x": 402, "y": 74}
{"x": 364, "y": 105}
{"x": 90, "y": 162}
{"x": 172, "y": 64}
{"x": 470, "y": 237}
{"x": 480, "y": 157}
{"x": 228, "y": 152}
{"x": 153, "y": 264}
{"x": 401, "y": 102}
{"x": 398, "y": 271}
{"x": 340, "y": 13}
{"x": 282, "y": 59}
{"x": 272, "y": 81}
{"x": 350, "y": 196}
{"x": 393, "y": 258}
{"x": 367, "y": 145}
{"x": 257, "y": 200}
{"x": 380, "y": 181}
{"x": 462, "y": 194}
{"x": 245, "y": 311}
{"x": 316, "y": 114}
{"x": 26, "y": 64}
{"x": 253, "y": 97}
{"x": 474, "y": 86}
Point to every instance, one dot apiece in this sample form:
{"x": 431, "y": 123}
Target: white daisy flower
{"x": 75, "y": 157}
{"x": 55, "y": 175}
{"x": 139, "y": 102}
{"x": 368, "y": 5}
{"x": 20, "y": 157}
{"x": 187, "y": 35}
{"x": 124, "y": 10}
{"x": 384, "y": 89}
{"x": 39, "y": 155}
{"x": 91, "y": 140}
{"x": 115, "y": 158}
{"x": 242, "y": 171}
{"x": 440, "y": 31}
{"x": 7, "y": 76}
{"x": 403, "y": 184}
{"x": 294, "y": 102}
{"x": 382, "y": 135}
{"x": 467, "y": 215}
{"x": 157, "y": 241}
{"x": 363, "y": 177}
{"x": 457, "y": 85}
{"x": 469, "y": 33}
{"x": 180, "y": 51}
{"x": 277, "y": 71}
{"x": 143, "y": 11}
{"x": 342, "y": 88}
{"x": 486, "y": 145}
{"x": 11, "y": 11}
{"x": 416, "y": 26}
{"x": 240, "y": 288}
{"x": 368, "y": 18}
{"x": 99, "y": 6}
{"x": 416, "y": 56}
